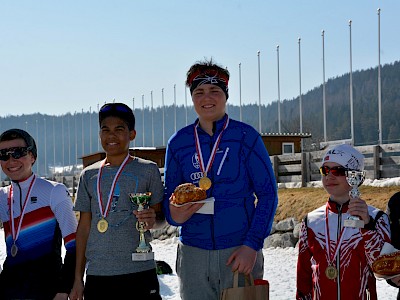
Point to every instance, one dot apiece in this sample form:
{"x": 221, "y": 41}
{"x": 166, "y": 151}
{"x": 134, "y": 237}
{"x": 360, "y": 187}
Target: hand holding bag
{"x": 248, "y": 292}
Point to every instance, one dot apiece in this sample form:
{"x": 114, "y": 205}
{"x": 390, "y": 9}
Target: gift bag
{"x": 251, "y": 291}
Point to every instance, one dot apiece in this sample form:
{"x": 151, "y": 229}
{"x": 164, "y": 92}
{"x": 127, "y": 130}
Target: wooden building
{"x": 276, "y": 144}
{"x": 283, "y": 143}
{"x": 156, "y": 154}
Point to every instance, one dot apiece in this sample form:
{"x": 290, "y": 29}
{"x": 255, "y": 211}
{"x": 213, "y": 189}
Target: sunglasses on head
{"x": 15, "y": 152}
{"x": 115, "y": 107}
{"x": 335, "y": 171}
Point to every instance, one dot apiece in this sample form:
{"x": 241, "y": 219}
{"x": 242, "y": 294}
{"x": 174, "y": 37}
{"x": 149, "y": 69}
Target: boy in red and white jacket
{"x": 334, "y": 260}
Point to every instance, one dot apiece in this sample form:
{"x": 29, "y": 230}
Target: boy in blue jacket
{"x": 229, "y": 159}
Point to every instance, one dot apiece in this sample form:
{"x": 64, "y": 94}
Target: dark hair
{"x": 119, "y": 110}
{"x": 13, "y": 134}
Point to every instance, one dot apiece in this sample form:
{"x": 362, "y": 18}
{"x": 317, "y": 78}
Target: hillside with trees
{"x": 64, "y": 139}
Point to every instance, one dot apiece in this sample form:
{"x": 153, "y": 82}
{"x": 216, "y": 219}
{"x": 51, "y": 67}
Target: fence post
{"x": 275, "y": 164}
{"x": 304, "y": 169}
{"x": 376, "y": 161}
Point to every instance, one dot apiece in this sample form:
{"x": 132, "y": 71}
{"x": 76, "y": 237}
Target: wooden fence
{"x": 381, "y": 161}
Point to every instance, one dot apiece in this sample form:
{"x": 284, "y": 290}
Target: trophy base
{"x": 353, "y": 223}
{"x": 142, "y": 256}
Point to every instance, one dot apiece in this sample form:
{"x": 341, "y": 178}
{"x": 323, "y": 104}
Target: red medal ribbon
{"x": 214, "y": 150}
{"x": 10, "y": 200}
{"x": 110, "y": 195}
{"x": 327, "y": 239}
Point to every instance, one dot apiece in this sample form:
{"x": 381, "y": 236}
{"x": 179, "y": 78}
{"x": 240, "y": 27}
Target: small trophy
{"x": 143, "y": 251}
{"x": 354, "y": 179}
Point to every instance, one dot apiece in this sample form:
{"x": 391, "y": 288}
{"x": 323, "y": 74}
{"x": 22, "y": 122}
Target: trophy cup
{"x": 143, "y": 251}
{"x": 354, "y": 179}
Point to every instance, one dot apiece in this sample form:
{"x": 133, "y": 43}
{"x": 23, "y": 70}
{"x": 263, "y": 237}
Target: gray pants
{"x": 203, "y": 274}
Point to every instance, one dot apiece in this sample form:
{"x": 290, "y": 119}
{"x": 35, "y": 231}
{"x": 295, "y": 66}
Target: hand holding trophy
{"x": 143, "y": 250}
{"x": 354, "y": 179}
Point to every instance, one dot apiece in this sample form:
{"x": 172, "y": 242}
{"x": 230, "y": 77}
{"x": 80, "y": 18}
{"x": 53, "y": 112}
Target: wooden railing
{"x": 381, "y": 161}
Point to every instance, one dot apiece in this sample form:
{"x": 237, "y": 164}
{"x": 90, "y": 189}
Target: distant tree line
{"x": 63, "y": 140}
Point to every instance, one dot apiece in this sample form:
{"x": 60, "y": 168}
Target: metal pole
{"x": 163, "y": 116}
{"x": 76, "y": 140}
{"x": 279, "y": 92}
{"x": 351, "y": 89}
{"x": 37, "y": 141}
{"x": 143, "y": 119}
{"x": 175, "y": 107}
{"x": 186, "y": 108}
{"x": 152, "y": 120}
{"x": 98, "y": 138}
{"x": 62, "y": 144}
{"x": 54, "y": 148}
{"x": 90, "y": 129}
{"x": 300, "y": 100}
{"x": 259, "y": 93}
{"x": 240, "y": 92}
{"x": 83, "y": 138}
{"x": 45, "y": 149}
{"x": 323, "y": 85}
{"x": 379, "y": 77}
{"x": 133, "y": 110}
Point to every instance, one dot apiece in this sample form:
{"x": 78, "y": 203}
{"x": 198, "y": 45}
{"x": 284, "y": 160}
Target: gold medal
{"x": 204, "y": 183}
{"x": 102, "y": 225}
{"x": 331, "y": 272}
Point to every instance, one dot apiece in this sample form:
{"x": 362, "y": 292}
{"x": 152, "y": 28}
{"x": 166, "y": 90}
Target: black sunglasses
{"x": 335, "y": 171}
{"x": 115, "y": 107}
{"x": 15, "y": 152}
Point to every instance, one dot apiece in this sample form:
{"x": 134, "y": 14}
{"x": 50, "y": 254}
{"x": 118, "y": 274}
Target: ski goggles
{"x": 15, "y": 152}
{"x": 335, "y": 171}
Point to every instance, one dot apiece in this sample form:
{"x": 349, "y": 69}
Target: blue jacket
{"x": 240, "y": 173}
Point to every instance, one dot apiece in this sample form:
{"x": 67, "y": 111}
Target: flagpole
{"x": 143, "y": 120}
{"x": 279, "y": 92}
{"x": 240, "y": 92}
{"x": 259, "y": 93}
{"x": 174, "y": 107}
{"x": 37, "y": 141}
{"x": 323, "y": 85}
{"x": 163, "y": 116}
{"x": 186, "y": 108}
{"x": 152, "y": 120}
{"x": 98, "y": 138}
{"x": 351, "y": 89}
{"x": 300, "y": 100}
{"x": 83, "y": 138}
{"x": 133, "y": 110}
{"x": 45, "y": 149}
{"x": 379, "y": 77}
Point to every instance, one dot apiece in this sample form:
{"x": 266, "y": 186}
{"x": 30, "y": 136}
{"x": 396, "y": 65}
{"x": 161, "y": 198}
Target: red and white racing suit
{"x": 351, "y": 251}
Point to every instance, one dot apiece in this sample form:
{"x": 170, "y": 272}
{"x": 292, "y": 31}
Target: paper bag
{"x": 248, "y": 292}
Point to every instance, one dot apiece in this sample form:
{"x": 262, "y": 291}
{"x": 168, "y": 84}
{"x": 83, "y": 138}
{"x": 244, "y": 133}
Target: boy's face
{"x": 336, "y": 186}
{"x": 17, "y": 169}
{"x": 115, "y": 136}
{"x": 209, "y": 101}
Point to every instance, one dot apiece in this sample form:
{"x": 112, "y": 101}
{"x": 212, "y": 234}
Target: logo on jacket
{"x": 195, "y": 161}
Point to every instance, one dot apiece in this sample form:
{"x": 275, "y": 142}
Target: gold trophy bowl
{"x": 143, "y": 250}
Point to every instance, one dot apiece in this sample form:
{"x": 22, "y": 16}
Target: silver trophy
{"x": 354, "y": 179}
{"x": 143, "y": 250}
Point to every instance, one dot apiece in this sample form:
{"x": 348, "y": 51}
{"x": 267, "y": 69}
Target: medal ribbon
{"x": 327, "y": 239}
{"x": 110, "y": 195}
{"x": 214, "y": 150}
{"x": 21, "y": 217}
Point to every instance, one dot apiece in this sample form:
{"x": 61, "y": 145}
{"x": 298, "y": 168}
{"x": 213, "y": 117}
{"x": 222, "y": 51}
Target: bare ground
{"x": 297, "y": 202}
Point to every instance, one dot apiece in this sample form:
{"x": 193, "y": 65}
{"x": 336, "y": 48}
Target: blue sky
{"x": 65, "y": 56}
